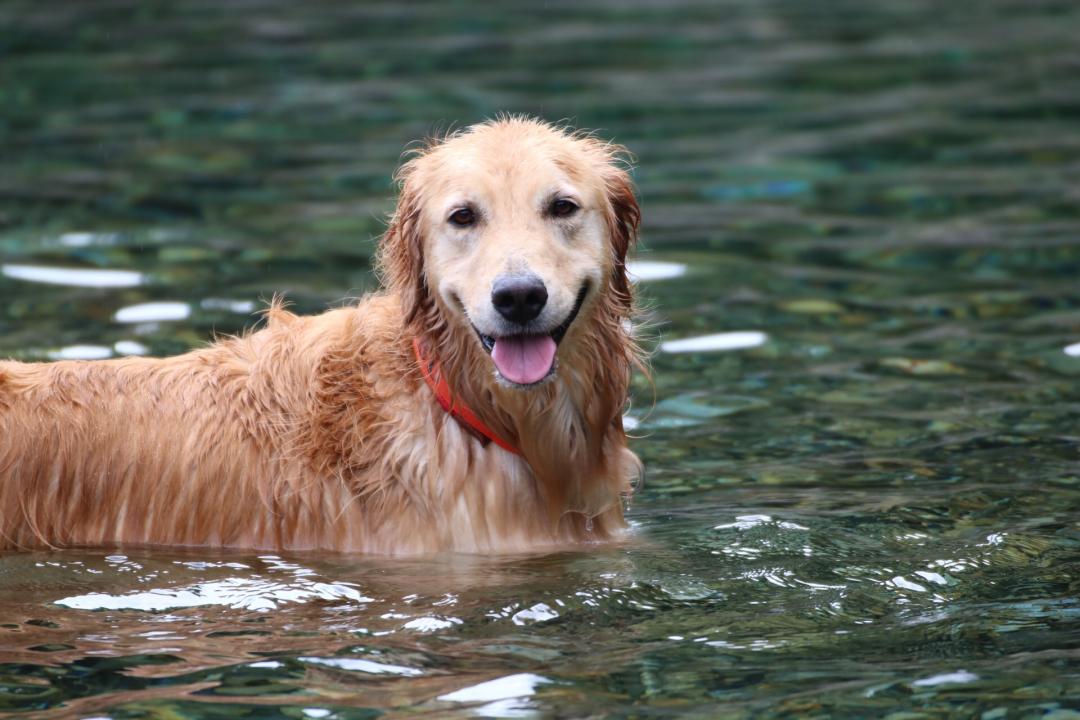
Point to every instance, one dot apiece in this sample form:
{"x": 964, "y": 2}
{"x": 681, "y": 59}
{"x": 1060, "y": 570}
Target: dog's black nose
{"x": 519, "y": 298}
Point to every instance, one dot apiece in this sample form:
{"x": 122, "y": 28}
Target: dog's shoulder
{"x": 345, "y": 350}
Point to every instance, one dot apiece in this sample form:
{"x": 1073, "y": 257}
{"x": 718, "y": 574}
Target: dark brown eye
{"x": 463, "y": 217}
{"x": 563, "y": 208}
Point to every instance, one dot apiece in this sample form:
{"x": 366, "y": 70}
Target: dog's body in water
{"x": 503, "y": 277}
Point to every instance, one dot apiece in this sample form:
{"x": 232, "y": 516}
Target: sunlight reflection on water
{"x": 716, "y": 343}
{"x": 511, "y": 686}
{"x": 153, "y": 312}
{"x": 87, "y": 239}
{"x": 73, "y": 277}
{"x": 958, "y": 677}
{"x": 364, "y": 666}
{"x": 130, "y": 347}
{"x": 652, "y": 270}
{"x": 241, "y": 593}
{"x": 81, "y": 352}
{"x": 241, "y": 307}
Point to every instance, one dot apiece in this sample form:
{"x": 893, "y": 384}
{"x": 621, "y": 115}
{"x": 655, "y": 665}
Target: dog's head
{"x": 515, "y": 232}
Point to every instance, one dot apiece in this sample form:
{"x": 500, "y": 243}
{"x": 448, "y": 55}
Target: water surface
{"x": 862, "y": 248}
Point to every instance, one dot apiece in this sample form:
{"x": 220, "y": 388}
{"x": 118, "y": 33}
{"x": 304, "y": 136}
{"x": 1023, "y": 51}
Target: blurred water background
{"x": 861, "y": 251}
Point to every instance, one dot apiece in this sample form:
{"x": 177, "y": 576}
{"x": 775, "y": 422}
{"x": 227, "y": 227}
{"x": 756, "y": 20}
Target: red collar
{"x": 432, "y": 372}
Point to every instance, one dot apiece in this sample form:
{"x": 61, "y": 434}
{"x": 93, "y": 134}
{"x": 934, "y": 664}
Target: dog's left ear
{"x": 623, "y": 221}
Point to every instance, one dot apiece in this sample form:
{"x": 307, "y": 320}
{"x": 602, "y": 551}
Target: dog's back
{"x": 195, "y": 449}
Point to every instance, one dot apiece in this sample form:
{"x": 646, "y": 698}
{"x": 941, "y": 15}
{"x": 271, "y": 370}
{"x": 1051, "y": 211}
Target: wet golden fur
{"x": 319, "y": 432}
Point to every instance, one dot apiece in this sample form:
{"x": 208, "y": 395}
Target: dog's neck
{"x": 568, "y": 429}
{"x": 436, "y": 380}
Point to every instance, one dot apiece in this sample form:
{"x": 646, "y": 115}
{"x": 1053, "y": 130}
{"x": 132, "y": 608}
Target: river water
{"x": 860, "y": 265}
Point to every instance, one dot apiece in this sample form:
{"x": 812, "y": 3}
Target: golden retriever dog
{"x": 473, "y": 404}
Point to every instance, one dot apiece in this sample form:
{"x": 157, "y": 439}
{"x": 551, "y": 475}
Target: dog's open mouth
{"x": 529, "y": 358}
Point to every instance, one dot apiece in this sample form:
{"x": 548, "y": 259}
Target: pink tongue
{"x": 524, "y": 360}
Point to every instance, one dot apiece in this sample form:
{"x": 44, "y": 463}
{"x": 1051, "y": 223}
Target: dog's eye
{"x": 463, "y": 217}
{"x": 563, "y": 208}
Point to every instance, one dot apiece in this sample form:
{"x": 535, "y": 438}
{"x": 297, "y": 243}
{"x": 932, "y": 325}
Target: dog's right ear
{"x": 401, "y": 251}
{"x": 623, "y": 222}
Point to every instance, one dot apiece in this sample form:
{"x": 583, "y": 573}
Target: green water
{"x": 875, "y": 512}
